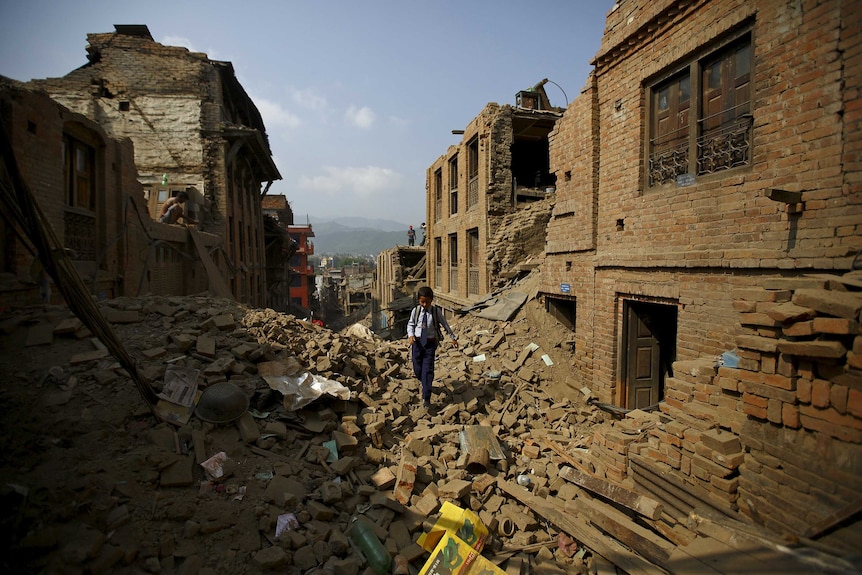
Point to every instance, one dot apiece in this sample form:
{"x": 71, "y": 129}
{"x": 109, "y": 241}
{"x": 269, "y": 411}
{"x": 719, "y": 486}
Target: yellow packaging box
{"x": 453, "y": 556}
{"x": 463, "y": 523}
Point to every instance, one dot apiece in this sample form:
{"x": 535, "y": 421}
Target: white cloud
{"x": 212, "y": 53}
{"x": 275, "y": 115}
{"x": 399, "y": 122}
{"x": 178, "y": 41}
{"x": 309, "y": 99}
{"x": 360, "y": 117}
{"x": 364, "y": 182}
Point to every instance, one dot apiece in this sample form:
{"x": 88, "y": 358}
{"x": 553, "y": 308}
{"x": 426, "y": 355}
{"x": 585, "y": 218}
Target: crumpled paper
{"x": 285, "y": 522}
{"x": 301, "y": 389}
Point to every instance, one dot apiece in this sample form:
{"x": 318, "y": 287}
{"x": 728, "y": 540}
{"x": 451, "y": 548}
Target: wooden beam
{"x": 617, "y": 524}
{"x": 834, "y": 519}
{"x": 595, "y": 540}
{"x": 217, "y": 284}
{"x": 629, "y": 499}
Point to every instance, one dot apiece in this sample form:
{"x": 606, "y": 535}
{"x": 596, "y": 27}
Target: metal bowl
{"x": 221, "y": 403}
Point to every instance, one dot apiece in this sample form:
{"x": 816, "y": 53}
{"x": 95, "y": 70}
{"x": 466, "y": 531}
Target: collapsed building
{"x": 487, "y": 198}
{"x": 398, "y": 273}
{"x": 194, "y": 129}
{"x": 280, "y": 249}
{"x": 701, "y": 268}
{"x": 95, "y": 206}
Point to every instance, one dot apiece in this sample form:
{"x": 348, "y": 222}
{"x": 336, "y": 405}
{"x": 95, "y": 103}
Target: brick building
{"x": 84, "y": 181}
{"x": 706, "y": 174}
{"x": 498, "y": 170}
{"x": 398, "y": 273}
{"x": 194, "y": 128}
{"x": 280, "y": 248}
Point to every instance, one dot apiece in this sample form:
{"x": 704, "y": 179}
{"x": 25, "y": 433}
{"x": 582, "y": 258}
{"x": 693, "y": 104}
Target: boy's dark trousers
{"x": 423, "y": 365}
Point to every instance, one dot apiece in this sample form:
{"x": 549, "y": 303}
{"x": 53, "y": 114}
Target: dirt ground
{"x": 86, "y": 468}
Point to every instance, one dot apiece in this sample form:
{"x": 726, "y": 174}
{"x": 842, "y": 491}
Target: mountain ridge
{"x": 357, "y": 235}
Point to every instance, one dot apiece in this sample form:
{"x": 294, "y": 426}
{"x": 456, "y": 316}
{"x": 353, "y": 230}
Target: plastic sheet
{"x": 304, "y": 388}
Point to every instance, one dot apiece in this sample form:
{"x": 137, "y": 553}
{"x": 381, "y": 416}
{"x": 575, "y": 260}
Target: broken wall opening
{"x": 564, "y": 309}
{"x": 531, "y": 164}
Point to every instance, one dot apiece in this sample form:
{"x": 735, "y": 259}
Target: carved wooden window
{"x": 472, "y": 173}
{"x": 79, "y": 218}
{"x": 453, "y": 185}
{"x": 716, "y": 90}
{"x": 438, "y": 195}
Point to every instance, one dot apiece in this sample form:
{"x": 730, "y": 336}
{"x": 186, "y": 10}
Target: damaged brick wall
{"x": 506, "y": 236}
{"x": 613, "y": 239}
{"x": 136, "y": 87}
{"x": 184, "y": 113}
{"x": 36, "y": 125}
{"x": 777, "y": 437}
{"x": 517, "y": 237}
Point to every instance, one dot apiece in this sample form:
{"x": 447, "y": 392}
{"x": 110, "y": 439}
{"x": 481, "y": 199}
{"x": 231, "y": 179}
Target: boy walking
{"x": 424, "y": 332}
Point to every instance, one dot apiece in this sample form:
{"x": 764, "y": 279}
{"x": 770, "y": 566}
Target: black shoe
{"x": 427, "y": 404}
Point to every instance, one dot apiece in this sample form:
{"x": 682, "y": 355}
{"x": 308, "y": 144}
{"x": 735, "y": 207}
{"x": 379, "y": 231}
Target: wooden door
{"x": 644, "y": 378}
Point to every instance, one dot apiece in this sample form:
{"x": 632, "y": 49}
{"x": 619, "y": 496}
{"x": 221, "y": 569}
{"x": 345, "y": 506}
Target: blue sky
{"x": 359, "y": 97}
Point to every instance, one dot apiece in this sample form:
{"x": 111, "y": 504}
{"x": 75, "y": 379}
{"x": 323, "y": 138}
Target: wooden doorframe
{"x": 664, "y": 316}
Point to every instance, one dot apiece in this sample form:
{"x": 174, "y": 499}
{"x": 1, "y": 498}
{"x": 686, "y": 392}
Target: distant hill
{"x": 358, "y": 236}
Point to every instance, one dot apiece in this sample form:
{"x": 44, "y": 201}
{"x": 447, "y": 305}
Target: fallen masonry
{"x": 94, "y": 483}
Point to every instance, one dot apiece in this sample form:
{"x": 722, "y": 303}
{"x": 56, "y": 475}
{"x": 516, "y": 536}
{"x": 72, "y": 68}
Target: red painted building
{"x": 301, "y": 272}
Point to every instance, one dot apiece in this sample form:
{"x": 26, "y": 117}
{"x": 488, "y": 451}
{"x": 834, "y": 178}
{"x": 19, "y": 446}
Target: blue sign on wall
{"x": 565, "y": 288}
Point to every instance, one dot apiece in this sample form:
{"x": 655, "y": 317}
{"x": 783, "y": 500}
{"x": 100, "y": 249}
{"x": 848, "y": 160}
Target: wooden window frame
{"x": 695, "y": 126}
{"x": 453, "y": 185}
{"x": 438, "y": 195}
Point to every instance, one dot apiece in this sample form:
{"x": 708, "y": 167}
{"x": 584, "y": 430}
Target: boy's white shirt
{"x": 436, "y": 318}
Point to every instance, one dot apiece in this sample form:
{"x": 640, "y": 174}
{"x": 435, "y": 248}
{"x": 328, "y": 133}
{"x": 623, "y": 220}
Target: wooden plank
{"x": 690, "y": 494}
{"x": 618, "y": 525}
{"x": 853, "y": 281}
{"x": 595, "y": 540}
{"x": 685, "y": 563}
{"x": 834, "y": 519}
{"x": 629, "y": 499}
{"x": 757, "y": 544}
{"x": 602, "y": 566}
{"x": 674, "y": 508}
{"x": 217, "y": 284}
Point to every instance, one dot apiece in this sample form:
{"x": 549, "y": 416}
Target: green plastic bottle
{"x": 378, "y": 557}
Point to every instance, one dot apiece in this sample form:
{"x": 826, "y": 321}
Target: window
{"x": 472, "y": 173}
{"x": 438, "y": 262}
{"x": 453, "y": 263}
{"x": 719, "y": 98}
{"x": 80, "y": 170}
{"x": 79, "y": 180}
{"x": 473, "y": 261}
{"x": 453, "y": 185}
{"x": 438, "y": 195}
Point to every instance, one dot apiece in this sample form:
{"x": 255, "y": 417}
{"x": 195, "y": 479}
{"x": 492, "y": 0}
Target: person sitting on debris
{"x": 172, "y": 210}
{"x": 411, "y": 236}
{"x": 423, "y": 329}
